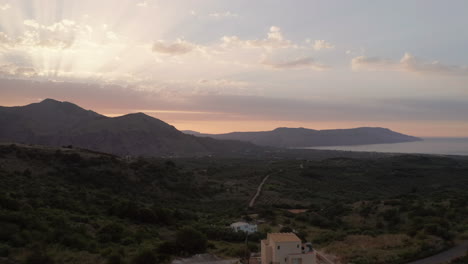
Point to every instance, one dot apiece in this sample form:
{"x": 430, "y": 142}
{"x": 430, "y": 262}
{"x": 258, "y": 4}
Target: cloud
{"x": 222, "y": 82}
{"x": 372, "y": 64}
{"x": 226, "y": 14}
{"x": 59, "y": 35}
{"x": 4, "y": 7}
{"x": 412, "y": 64}
{"x": 62, "y": 51}
{"x": 12, "y": 70}
{"x": 67, "y": 50}
{"x": 238, "y": 107}
{"x": 274, "y": 40}
{"x": 299, "y": 63}
{"x": 322, "y": 44}
{"x": 142, "y": 4}
{"x": 179, "y": 47}
{"x": 276, "y": 52}
{"x": 408, "y": 63}
{"x": 5, "y": 40}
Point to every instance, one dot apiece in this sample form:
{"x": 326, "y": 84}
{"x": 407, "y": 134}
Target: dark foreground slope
{"x": 57, "y": 123}
{"x": 76, "y": 206}
{"x": 303, "y": 137}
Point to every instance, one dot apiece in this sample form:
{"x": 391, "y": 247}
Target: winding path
{"x": 259, "y": 189}
{"x": 445, "y": 256}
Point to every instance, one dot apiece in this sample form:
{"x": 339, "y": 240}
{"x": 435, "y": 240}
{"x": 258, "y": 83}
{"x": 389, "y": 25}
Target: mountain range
{"x": 56, "y": 123}
{"x": 284, "y": 137}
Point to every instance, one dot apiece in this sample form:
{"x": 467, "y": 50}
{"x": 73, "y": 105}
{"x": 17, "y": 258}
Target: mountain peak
{"x": 49, "y": 101}
{"x": 141, "y": 114}
{"x": 138, "y": 116}
{"x": 286, "y": 129}
{"x": 56, "y": 103}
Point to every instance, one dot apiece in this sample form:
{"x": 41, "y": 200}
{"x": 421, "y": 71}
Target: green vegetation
{"x": 462, "y": 260}
{"x": 75, "y": 206}
{"x": 386, "y": 210}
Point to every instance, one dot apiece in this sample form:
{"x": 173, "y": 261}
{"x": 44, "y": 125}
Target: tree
{"x": 286, "y": 229}
{"x": 191, "y": 241}
{"x": 146, "y": 256}
{"x": 37, "y": 257}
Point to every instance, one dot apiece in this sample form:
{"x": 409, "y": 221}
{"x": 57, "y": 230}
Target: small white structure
{"x": 245, "y": 227}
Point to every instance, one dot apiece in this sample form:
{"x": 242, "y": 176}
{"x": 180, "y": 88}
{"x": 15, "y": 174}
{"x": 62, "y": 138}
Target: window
{"x": 297, "y": 245}
{"x": 278, "y": 247}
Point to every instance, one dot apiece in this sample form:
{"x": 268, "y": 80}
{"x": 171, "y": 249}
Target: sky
{"x": 218, "y": 66}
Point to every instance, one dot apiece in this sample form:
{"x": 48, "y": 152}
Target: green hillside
{"x": 65, "y": 205}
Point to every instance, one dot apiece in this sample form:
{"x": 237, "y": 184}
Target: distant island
{"x": 284, "y": 137}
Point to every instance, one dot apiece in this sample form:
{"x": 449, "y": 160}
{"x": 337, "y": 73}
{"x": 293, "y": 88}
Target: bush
{"x": 146, "y": 256}
{"x": 4, "y": 250}
{"x": 167, "y": 248}
{"x": 111, "y": 232}
{"x": 75, "y": 240}
{"x": 191, "y": 241}
{"x": 8, "y": 230}
{"x": 38, "y": 258}
{"x": 9, "y": 203}
{"x": 114, "y": 258}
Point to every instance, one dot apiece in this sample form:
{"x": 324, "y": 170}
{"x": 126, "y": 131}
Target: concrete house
{"x": 286, "y": 248}
{"x": 245, "y": 227}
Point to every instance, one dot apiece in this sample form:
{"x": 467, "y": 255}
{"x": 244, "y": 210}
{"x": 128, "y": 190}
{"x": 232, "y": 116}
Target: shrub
{"x": 146, "y": 256}
{"x": 38, "y": 258}
{"x": 191, "y": 241}
{"x": 167, "y": 248}
{"x": 112, "y": 232}
{"x": 114, "y": 258}
{"x": 4, "y": 250}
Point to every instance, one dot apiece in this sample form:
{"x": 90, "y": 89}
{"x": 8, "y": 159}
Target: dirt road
{"x": 259, "y": 189}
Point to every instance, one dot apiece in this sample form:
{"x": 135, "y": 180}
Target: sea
{"x": 441, "y": 146}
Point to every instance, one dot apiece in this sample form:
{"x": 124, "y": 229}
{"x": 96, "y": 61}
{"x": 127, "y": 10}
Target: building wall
{"x": 266, "y": 252}
{"x": 309, "y": 258}
{"x": 285, "y": 248}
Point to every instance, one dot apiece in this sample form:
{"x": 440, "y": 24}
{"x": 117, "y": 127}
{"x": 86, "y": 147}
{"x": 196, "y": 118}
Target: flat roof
{"x": 239, "y": 224}
{"x": 283, "y": 237}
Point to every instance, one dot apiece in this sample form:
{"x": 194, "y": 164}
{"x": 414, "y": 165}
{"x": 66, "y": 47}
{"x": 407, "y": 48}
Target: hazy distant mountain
{"x": 303, "y": 137}
{"x": 57, "y": 123}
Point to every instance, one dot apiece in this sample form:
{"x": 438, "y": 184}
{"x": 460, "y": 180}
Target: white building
{"x": 245, "y": 227}
{"x": 286, "y": 248}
